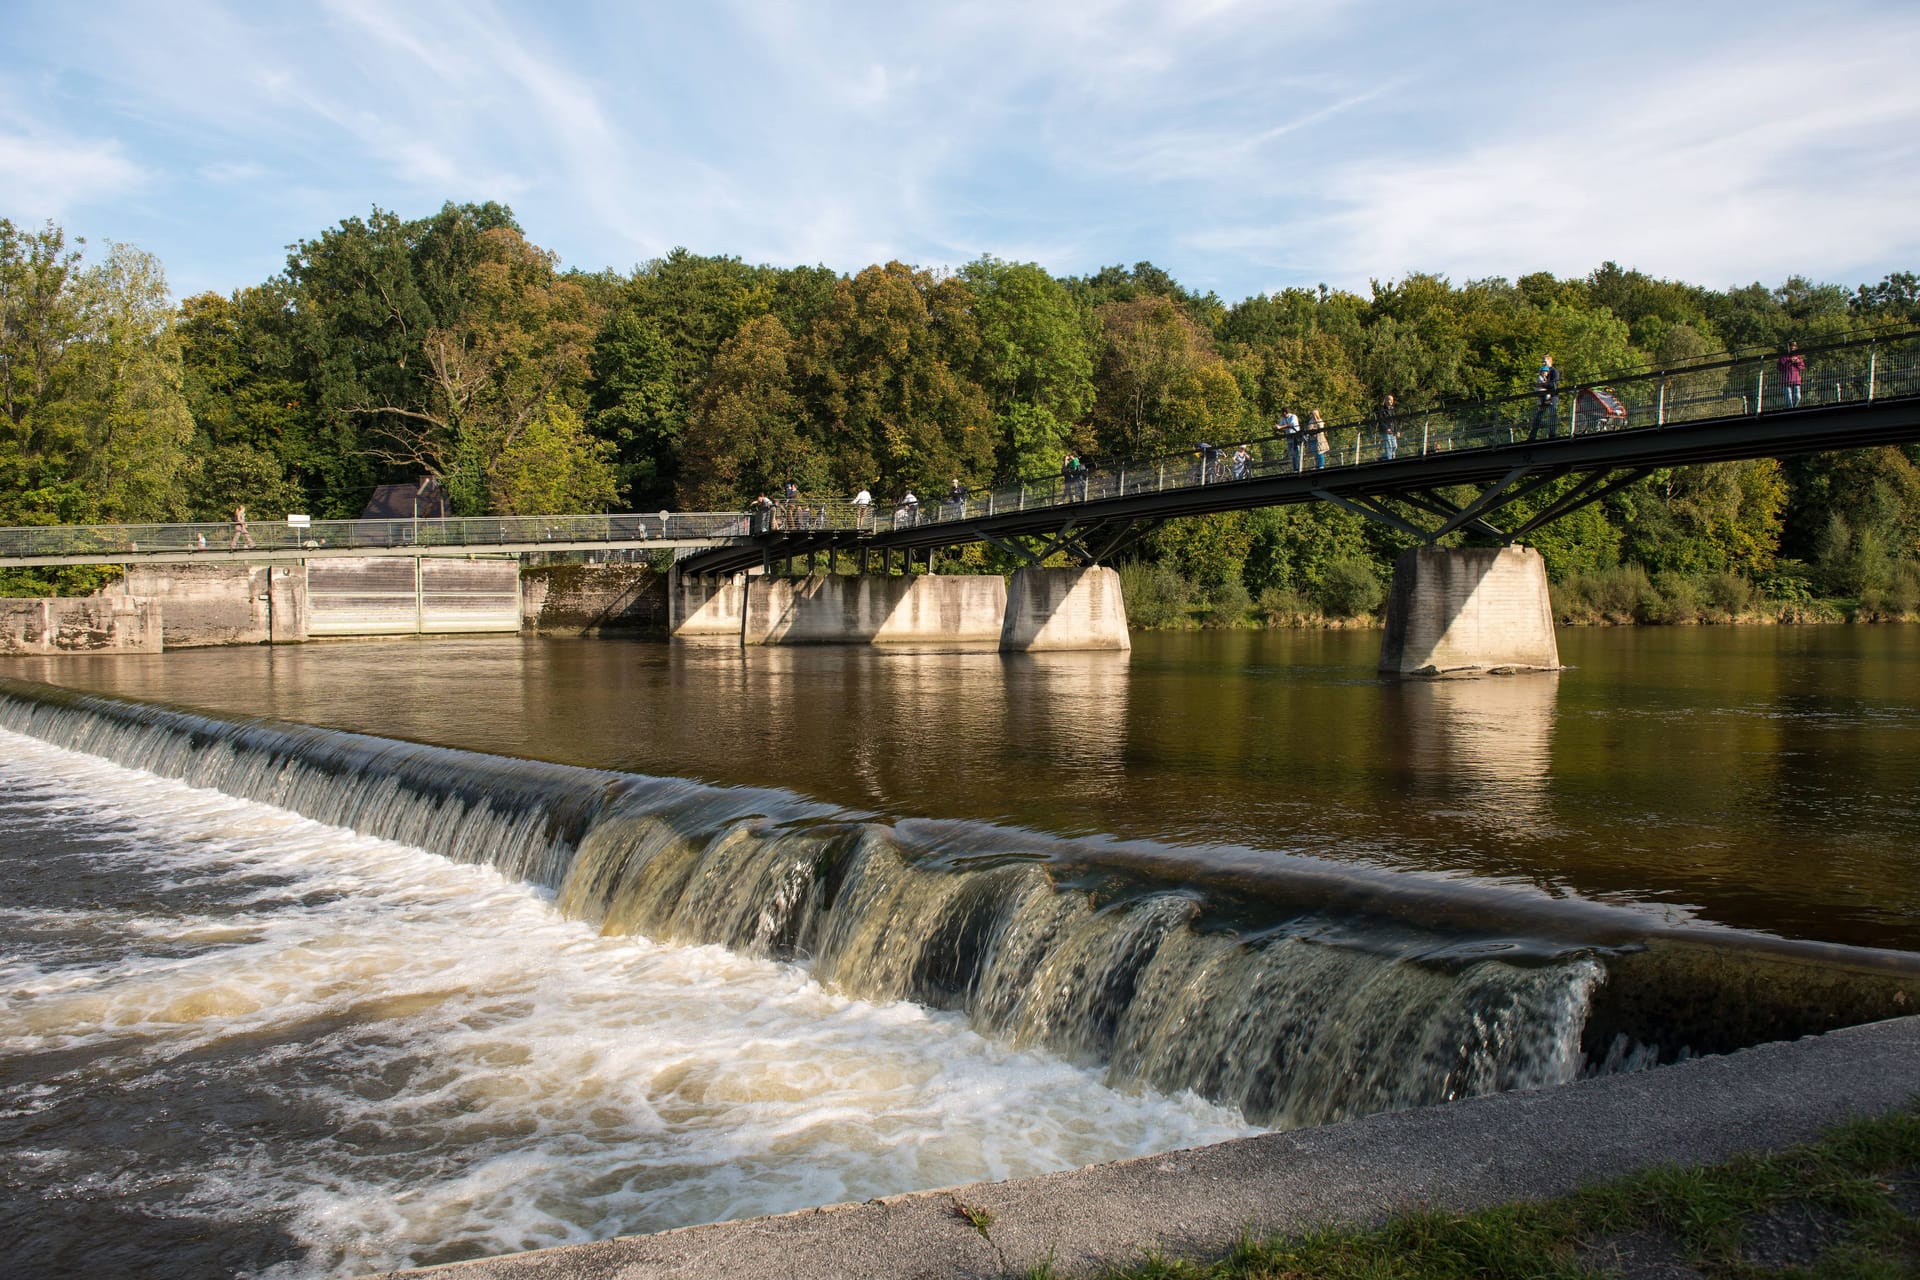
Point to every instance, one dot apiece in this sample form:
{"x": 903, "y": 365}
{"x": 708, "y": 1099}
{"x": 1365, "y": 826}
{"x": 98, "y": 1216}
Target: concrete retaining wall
{"x": 213, "y": 604}
{"x": 1469, "y": 608}
{"x": 585, "y": 599}
{"x": 82, "y": 624}
{"x": 1065, "y": 609}
{"x": 916, "y": 609}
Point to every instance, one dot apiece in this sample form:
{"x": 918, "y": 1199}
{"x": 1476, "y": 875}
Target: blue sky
{"x": 1244, "y": 147}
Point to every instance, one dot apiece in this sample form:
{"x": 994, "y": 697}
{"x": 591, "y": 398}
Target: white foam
{"x": 504, "y": 1078}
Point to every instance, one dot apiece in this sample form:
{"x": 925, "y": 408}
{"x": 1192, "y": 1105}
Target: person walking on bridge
{"x": 1387, "y": 419}
{"x": 240, "y": 529}
{"x": 1546, "y": 385}
{"x": 1793, "y": 367}
{"x": 1317, "y": 432}
{"x": 862, "y": 508}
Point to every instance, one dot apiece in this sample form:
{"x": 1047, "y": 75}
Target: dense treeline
{"x": 452, "y": 345}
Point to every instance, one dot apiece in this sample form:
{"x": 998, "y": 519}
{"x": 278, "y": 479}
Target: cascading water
{"x": 1312, "y": 1013}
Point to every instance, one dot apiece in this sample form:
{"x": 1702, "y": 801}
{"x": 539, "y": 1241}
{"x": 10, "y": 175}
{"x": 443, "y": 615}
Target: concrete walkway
{"x": 1469, "y": 1154}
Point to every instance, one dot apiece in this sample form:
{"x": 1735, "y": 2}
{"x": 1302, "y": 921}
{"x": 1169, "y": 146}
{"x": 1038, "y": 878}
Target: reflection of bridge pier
{"x": 1042, "y": 609}
{"x": 1487, "y": 743}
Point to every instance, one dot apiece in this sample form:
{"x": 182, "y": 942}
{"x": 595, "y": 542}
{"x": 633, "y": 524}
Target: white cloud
{"x": 1706, "y": 171}
{"x": 46, "y": 176}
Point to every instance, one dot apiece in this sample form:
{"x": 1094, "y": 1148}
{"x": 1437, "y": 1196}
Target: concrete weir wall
{"x": 919, "y": 609}
{"x": 1065, "y": 609}
{"x": 87, "y": 624}
{"x": 1468, "y": 609}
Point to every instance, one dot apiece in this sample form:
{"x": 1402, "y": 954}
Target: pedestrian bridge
{"x": 1609, "y": 433}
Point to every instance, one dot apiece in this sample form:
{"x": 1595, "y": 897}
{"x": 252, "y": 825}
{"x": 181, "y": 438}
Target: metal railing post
{"x": 1873, "y": 353}
{"x": 1760, "y": 390}
{"x": 1660, "y": 410}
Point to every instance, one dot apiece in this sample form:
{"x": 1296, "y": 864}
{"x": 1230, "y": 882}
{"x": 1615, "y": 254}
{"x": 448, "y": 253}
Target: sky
{"x": 1243, "y": 146}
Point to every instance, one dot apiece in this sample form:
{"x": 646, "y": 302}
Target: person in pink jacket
{"x": 1793, "y": 366}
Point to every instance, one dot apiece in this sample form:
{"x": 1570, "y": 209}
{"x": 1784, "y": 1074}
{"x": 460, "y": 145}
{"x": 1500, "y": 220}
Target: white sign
{"x": 299, "y": 522}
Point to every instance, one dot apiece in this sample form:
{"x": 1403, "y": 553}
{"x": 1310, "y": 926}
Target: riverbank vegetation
{"x": 1846, "y": 1206}
{"x": 452, "y": 344}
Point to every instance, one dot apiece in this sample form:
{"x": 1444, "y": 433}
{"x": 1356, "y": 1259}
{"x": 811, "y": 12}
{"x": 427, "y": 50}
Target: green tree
{"x": 885, "y": 379}
{"x": 1160, "y": 384}
{"x": 744, "y": 437}
{"x": 553, "y": 465}
{"x": 518, "y": 350}
{"x": 654, "y": 350}
{"x": 246, "y": 404}
{"x": 1035, "y": 360}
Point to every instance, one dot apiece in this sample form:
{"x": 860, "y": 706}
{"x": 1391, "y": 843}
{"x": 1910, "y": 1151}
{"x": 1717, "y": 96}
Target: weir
{"x": 1301, "y": 993}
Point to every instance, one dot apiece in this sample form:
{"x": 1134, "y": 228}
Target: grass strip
{"x": 1847, "y": 1205}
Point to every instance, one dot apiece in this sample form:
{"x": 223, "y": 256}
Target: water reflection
{"x": 1486, "y": 744}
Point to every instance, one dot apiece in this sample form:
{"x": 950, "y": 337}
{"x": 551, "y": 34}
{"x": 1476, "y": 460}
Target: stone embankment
{"x": 1197, "y": 1203}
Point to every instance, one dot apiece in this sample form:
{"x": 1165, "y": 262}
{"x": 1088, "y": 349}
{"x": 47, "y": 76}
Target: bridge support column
{"x": 1065, "y": 609}
{"x": 1469, "y": 609}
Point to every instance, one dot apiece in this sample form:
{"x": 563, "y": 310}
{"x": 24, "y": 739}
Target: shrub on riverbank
{"x": 1626, "y": 595}
{"x": 1157, "y": 597}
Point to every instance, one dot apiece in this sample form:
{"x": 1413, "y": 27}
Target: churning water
{"x": 237, "y": 1039}
{"x": 290, "y": 1001}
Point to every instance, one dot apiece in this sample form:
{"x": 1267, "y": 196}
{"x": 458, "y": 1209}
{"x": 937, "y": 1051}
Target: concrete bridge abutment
{"x": 1469, "y": 609}
{"x": 705, "y": 606}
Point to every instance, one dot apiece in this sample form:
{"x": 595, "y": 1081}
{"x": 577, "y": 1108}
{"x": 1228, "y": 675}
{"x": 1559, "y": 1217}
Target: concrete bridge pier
{"x": 1065, "y": 609}
{"x": 1469, "y": 609}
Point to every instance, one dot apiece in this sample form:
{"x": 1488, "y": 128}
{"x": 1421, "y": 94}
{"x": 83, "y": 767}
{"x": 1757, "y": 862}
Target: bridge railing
{"x": 478, "y": 533}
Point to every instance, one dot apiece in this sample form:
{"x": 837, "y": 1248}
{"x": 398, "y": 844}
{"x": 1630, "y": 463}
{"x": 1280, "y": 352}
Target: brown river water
{"x": 643, "y": 935}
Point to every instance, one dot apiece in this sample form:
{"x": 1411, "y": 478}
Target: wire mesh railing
{"x": 471, "y": 533}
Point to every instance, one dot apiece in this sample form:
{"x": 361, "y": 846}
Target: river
{"x": 977, "y": 915}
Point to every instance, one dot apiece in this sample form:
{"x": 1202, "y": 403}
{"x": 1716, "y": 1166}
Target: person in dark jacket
{"x": 1546, "y": 386}
{"x": 1386, "y": 417}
